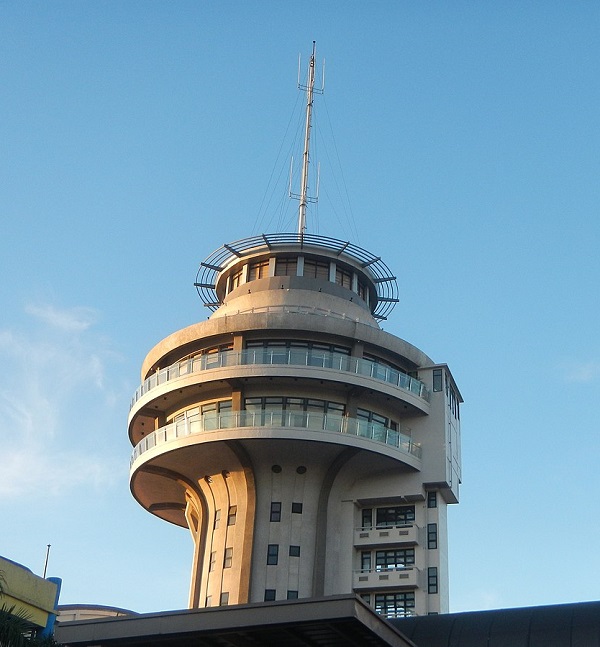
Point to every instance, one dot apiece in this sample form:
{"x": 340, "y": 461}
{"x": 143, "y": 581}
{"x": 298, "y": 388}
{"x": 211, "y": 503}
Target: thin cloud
{"x": 75, "y": 319}
{"x": 582, "y": 372}
{"x": 55, "y": 404}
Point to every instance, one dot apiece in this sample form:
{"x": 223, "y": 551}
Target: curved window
{"x": 316, "y": 269}
{"x": 286, "y": 266}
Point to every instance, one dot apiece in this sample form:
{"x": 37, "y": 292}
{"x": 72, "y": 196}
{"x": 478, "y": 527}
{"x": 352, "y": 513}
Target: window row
{"x": 392, "y": 604}
{"x": 392, "y": 516}
{"x": 276, "y": 510}
{"x": 289, "y": 266}
{"x": 273, "y": 553}
{"x": 387, "y": 560}
{"x": 271, "y": 595}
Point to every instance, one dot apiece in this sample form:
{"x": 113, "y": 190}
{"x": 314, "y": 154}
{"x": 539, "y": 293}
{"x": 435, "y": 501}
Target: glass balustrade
{"x": 316, "y": 421}
{"x": 284, "y": 357}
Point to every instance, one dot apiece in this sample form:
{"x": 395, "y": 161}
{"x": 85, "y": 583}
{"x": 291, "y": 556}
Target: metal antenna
{"x": 310, "y": 89}
{"x": 46, "y": 562}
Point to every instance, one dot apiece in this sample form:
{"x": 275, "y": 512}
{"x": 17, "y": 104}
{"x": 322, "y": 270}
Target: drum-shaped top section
{"x": 299, "y": 255}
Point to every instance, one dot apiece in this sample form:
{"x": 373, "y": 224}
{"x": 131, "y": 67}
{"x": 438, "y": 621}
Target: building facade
{"x": 308, "y": 452}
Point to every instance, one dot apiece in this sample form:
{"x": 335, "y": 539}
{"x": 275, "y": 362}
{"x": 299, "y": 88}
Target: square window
{"x": 273, "y": 554}
{"x": 275, "y": 511}
{"x": 296, "y": 508}
{"x": 292, "y": 595}
{"x": 294, "y": 551}
{"x": 432, "y": 580}
{"x": 269, "y": 595}
{"x": 432, "y": 536}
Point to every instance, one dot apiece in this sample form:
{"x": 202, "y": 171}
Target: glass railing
{"x": 314, "y": 420}
{"x": 284, "y": 357}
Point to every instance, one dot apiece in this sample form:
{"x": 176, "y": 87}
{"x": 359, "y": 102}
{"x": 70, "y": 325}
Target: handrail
{"x": 313, "y": 420}
{"x": 283, "y": 357}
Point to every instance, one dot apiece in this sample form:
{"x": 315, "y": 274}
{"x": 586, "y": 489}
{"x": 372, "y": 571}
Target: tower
{"x": 308, "y": 451}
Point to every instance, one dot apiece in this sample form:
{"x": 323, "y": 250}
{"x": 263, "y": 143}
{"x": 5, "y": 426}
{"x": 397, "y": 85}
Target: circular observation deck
{"x": 349, "y": 266}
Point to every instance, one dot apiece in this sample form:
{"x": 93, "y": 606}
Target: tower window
{"x": 231, "y": 518}
{"x": 258, "y": 270}
{"x": 432, "y": 537}
{"x": 213, "y": 561}
{"x": 343, "y": 278}
{"x": 275, "y": 511}
{"x": 316, "y": 269}
{"x": 273, "y": 554}
{"x": 286, "y": 266}
{"x": 217, "y": 519}
{"x": 228, "y": 558}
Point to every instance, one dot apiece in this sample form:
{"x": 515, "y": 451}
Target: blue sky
{"x": 460, "y": 141}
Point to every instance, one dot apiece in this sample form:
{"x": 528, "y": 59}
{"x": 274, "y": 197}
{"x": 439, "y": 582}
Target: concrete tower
{"x": 309, "y": 452}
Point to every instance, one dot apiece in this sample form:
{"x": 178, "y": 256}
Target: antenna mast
{"x": 309, "y": 87}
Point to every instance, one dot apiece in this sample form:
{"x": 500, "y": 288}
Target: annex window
{"x": 395, "y": 604}
{"x": 437, "y": 379}
{"x": 269, "y": 595}
{"x": 367, "y": 518}
{"x": 275, "y": 511}
{"x": 258, "y": 270}
{"x": 432, "y": 580}
{"x": 432, "y": 499}
{"x": 365, "y": 560}
{"x": 273, "y": 554}
{"x": 432, "y": 536}
{"x": 286, "y": 266}
{"x": 228, "y": 558}
{"x": 316, "y": 269}
{"x": 294, "y": 551}
{"x": 296, "y": 508}
{"x": 403, "y": 515}
{"x": 394, "y": 559}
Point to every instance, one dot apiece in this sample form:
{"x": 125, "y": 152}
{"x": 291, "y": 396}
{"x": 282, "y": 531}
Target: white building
{"x": 309, "y": 452}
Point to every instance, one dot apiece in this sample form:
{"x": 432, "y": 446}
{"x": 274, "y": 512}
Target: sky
{"x": 458, "y": 141}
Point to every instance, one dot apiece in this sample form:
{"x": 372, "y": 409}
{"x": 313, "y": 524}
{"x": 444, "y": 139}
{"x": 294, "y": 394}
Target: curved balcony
{"x": 284, "y": 357}
{"x": 314, "y": 421}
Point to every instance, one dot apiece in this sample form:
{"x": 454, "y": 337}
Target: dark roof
{"x": 338, "y": 621}
{"x": 560, "y": 625}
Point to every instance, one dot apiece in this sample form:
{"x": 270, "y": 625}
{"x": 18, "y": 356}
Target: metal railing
{"x": 283, "y": 357}
{"x": 313, "y": 420}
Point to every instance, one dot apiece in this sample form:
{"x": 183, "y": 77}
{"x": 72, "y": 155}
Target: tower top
{"x": 310, "y": 90}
